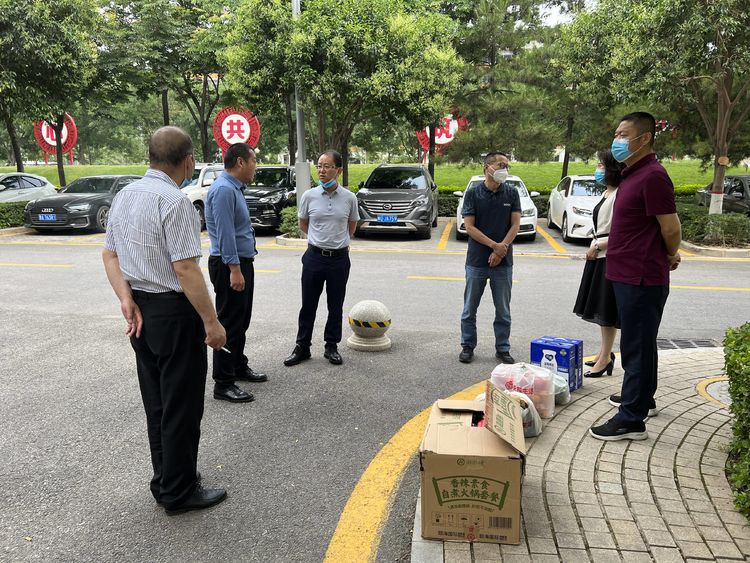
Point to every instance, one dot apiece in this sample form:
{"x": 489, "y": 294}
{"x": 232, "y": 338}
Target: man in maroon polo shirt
{"x": 642, "y": 249}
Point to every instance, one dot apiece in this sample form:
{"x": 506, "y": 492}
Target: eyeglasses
{"x": 500, "y": 166}
{"x": 325, "y": 167}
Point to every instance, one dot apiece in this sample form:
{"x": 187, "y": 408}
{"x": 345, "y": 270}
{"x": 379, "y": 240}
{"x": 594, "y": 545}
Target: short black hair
{"x": 338, "y": 160}
{"x": 169, "y": 146}
{"x": 643, "y": 122}
{"x": 612, "y": 168}
{"x": 235, "y": 151}
{"x": 491, "y": 157}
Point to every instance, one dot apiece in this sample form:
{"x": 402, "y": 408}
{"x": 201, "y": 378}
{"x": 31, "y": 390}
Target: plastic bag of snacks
{"x": 532, "y": 422}
{"x": 534, "y": 381}
{"x": 562, "y": 390}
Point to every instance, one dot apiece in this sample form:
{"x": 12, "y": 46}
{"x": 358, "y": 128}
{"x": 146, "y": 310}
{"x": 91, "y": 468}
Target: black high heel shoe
{"x": 593, "y": 362}
{"x": 608, "y": 368}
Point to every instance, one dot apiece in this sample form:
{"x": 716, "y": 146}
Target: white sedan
{"x": 528, "y": 209}
{"x": 571, "y": 204}
{"x": 19, "y": 186}
{"x": 197, "y": 189}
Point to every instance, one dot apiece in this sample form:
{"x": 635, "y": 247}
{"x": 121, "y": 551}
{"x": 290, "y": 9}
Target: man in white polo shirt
{"x": 329, "y": 215}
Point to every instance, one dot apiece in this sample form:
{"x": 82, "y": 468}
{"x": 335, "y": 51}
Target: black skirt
{"x": 596, "y": 298}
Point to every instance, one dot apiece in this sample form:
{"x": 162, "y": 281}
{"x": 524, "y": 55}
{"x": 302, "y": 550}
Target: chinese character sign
{"x": 236, "y": 125}
{"x": 445, "y": 133}
{"x": 46, "y": 137}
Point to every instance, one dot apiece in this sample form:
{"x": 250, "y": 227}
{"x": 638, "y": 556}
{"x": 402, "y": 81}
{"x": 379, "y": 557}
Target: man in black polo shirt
{"x": 492, "y": 215}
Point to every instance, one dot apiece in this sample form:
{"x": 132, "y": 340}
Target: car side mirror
{"x": 458, "y": 194}
{"x": 361, "y": 185}
{"x": 534, "y": 194}
{"x": 434, "y": 186}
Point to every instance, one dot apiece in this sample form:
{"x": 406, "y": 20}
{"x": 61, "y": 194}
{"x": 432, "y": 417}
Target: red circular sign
{"x": 444, "y": 134}
{"x": 236, "y": 125}
{"x": 45, "y": 135}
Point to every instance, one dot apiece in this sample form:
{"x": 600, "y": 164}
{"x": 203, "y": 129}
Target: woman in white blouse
{"x": 596, "y": 299}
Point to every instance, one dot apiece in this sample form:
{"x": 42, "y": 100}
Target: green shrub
{"x": 11, "y": 214}
{"x": 727, "y": 229}
{"x": 289, "y": 223}
{"x": 737, "y": 365}
{"x": 447, "y": 205}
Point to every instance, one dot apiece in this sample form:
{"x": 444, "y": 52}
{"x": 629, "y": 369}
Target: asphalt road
{"x": 75, "y": 468}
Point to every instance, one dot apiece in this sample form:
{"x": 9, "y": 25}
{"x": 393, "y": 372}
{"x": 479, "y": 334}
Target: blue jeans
{"x": 501, "y": 278}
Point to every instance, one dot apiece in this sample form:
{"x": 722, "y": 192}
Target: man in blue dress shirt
{"x": 230, "y": 267}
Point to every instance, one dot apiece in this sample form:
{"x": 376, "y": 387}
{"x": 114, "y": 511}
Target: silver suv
{"x": 398, "y": 198}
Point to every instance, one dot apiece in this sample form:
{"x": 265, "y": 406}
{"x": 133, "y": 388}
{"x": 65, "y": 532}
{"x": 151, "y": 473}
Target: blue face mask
{"x": 621, "y": 149}
{"x": 599, "y": 175}
{"x": 329, "y": 184}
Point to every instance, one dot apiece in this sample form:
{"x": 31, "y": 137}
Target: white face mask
{"x": 500, "y": 175}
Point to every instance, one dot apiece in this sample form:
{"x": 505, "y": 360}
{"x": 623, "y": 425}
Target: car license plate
{"x": 387, "y": 218}
{"x": 48, "y": 217}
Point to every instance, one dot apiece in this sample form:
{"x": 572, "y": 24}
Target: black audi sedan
{"x": 271, "y": 191}
{"x": 83, "y": 204}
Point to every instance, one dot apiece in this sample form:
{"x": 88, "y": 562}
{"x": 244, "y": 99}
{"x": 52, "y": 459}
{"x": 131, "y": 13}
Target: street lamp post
{"x": 301, "y": 167}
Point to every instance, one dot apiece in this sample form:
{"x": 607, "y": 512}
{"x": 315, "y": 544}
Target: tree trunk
{"x": 59, "y": 124}
{"x": 205, "y": 141}
{"x": 345, "y": 159}
{"x": 11, "y": 128}
{"x": 568, "y": 140}
{"x": 431, "y": 161}
{"x": 165, "y": 105}
{"x": 290, "y": 130}
{"x": 321, "y": 131}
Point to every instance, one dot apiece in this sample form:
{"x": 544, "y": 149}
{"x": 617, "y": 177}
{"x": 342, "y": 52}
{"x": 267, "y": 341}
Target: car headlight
{"x": 78, "y": 207}
{"x": 581, "y": 211}
{"x": 29, "y": 205}
{"x": 421, "y": 200}
{"x": 528, "y": 212}
{"x": 275, "y": 198}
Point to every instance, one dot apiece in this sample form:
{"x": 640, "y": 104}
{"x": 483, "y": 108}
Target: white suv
{"x": 198, "y": 189}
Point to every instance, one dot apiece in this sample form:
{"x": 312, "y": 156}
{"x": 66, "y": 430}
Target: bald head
{"x": 168, "y": 147}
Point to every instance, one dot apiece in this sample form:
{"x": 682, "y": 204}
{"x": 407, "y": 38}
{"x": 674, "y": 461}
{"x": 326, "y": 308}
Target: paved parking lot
{"x": 75, "y": 459}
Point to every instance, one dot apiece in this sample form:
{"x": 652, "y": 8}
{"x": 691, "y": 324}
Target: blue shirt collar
{"x": 233, "y": 181}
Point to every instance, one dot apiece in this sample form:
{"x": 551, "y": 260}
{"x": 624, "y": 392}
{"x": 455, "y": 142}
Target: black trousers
{"x": 234, "y": 309}
{"x": 318, "y": 270}
{"x": 640, "y": 308}
{"x": 172, "y": 362}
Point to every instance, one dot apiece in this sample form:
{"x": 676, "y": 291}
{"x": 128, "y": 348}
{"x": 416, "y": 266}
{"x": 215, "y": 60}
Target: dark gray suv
{"x": 398, "y": 198}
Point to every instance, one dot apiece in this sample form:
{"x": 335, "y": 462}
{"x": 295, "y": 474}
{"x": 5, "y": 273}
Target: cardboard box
{"x": 471, "y": 476}
{"x": 559, "y": 355}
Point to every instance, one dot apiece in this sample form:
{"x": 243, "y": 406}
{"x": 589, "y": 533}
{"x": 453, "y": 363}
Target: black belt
{"x": 165, "y": 296}
{"x": 329, "y": 252}
{"x": 601, "y": 235}
{"x": 242, "y": 259}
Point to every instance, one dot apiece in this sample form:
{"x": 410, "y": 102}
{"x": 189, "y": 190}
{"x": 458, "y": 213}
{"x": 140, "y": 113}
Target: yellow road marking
{"x": 446, "y": 234}
{"x": 49, "y": 243}
{"x": 702, "y": 389}
{"x": 14, "y": 265}
{"x": 709, "y": 288}
{"x": 100, "y": 236}
{"x": 439, "y": 278}
{"x": 684, "y": 252}
{"x": 358, "y": 530}
{"x": 552, "y": 242}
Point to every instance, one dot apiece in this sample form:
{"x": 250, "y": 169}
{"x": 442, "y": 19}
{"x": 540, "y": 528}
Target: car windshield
{"x": 89, "y": 186}
{"x": 587, "y": 188}
{"x": 269, "y": 177}
{"x": 396, "y": 180}
{"x": 513, "y": 183}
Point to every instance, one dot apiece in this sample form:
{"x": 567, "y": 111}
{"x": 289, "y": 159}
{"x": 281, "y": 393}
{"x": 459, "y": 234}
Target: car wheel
{"x": 460, "y": 236}
{"x": 550, "y": 224}
{"x": 101, "y": 218}
{"x": 425, "y": 234}
{"x": 564, "y": 229}
{"x": 201, "y": 213}
{"x": 434, "y": 222}
{"x": 532, "y": 238}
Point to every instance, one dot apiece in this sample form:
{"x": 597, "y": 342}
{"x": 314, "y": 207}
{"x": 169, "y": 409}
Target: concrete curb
{"x": 14, "y": 230}
{"x": 283, "y": 240}
{"x": 716, "y": 251}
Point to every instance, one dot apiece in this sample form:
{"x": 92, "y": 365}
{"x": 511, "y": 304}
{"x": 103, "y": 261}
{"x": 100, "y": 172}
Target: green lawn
{"x": 542, "y": 176}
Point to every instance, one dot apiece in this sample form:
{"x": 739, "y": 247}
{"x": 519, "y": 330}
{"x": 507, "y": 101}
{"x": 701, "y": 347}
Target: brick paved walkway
{"x": 663, "y": 499}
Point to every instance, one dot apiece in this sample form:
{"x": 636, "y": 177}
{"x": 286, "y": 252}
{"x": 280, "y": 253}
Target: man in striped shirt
{"x": 151, "y": 256}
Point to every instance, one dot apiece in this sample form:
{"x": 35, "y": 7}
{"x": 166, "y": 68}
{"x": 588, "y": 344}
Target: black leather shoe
{"x": 233, "y": 394}
{"x": 466, "y": 356}
{"x": 199, "y": 499}
{"x": 299, "y": 355}
{"x": 505, "y": 357}
{"x": 198, "y": 478}
{"x": 247, "y": 374}
{"x": 332, "y": 355}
